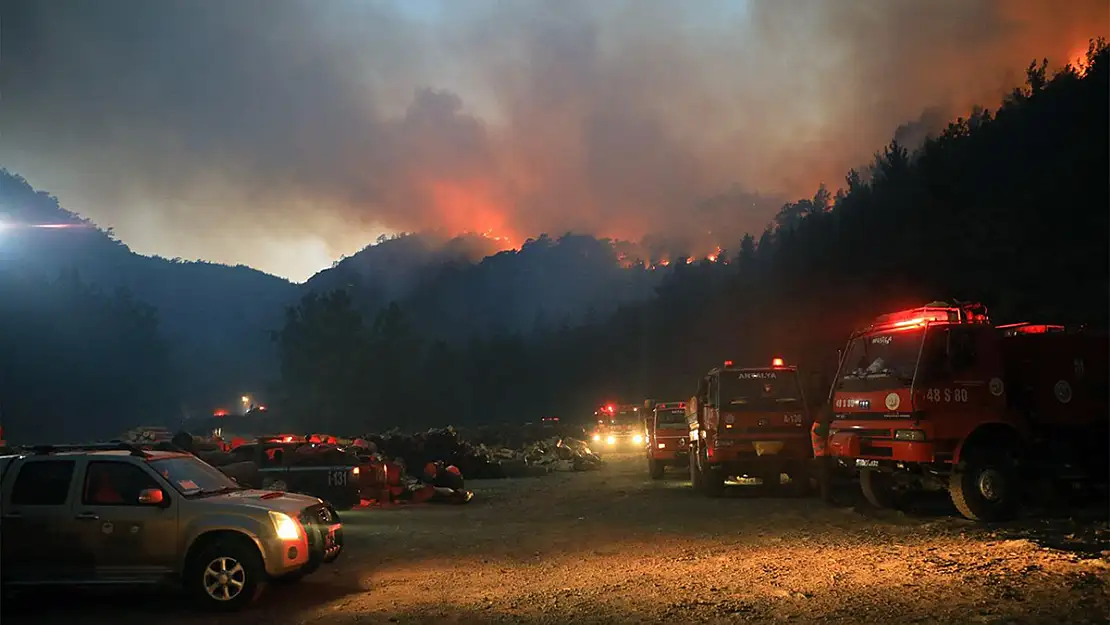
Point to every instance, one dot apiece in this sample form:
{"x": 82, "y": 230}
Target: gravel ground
{"x": 612, "y": 546}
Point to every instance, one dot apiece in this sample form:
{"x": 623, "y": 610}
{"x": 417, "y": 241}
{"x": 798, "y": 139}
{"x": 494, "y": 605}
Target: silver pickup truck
{"x": 118, "y": 514}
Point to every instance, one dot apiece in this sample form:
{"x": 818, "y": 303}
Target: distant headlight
{"x": 612, "y": 440}
{"x": 597, "y": 438}
{"x": 637, "y": 439}
{"x": 284, "y": 525}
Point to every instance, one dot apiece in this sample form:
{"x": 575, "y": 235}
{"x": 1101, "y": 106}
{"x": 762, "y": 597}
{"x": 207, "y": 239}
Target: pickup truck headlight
{"x": 284, "y": 525}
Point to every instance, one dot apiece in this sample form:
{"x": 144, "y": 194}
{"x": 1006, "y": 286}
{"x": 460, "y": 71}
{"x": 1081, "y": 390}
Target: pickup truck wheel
{"x": 984, "y": 489}
{"x": 227, "y": 575}
{"x": 655, "y": 469}
{"x": 880, "y": 489}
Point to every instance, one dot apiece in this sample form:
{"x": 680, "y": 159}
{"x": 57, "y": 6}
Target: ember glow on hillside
{"x": 295, "y": 132}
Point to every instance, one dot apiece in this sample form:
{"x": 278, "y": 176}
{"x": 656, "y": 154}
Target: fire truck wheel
{"x": 713, "y": 483}
{"x": 799, "y": 479}
{"x": 880, "y": 489}
{"x": 695, "y": 471}
{"x": 772, "y": 480}
{"x": 655, "y": 469}
{"x": 984, "y": 489}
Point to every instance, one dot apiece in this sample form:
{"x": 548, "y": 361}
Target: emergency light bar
{"x": 728, "y": 363}
{"x": 1014, "y": 329}
{"x": 777, "y": 362}
{"x": 936, "y": 312}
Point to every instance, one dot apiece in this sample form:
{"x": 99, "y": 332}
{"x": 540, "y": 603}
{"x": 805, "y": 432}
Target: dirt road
{"x": 612, "y": 546}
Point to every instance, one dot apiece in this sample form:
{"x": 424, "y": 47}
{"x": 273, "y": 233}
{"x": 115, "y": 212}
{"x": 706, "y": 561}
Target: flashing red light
{"x": 728, "y": 363}
{"x": 220, "y": 413}
{"x": 610, "y": 408}
{"x": 777, "y": 362}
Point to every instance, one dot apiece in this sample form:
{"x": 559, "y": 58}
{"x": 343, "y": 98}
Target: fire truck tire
{"x": 800, "y": 479}
{"x": 695, "y": 470}
{"x": 879, "y": 489}
{"x": 655, "y": 469}
{"x": 984, "y": 488}
{"x": 772, "y": 480}
{"x": 713, "y": 483}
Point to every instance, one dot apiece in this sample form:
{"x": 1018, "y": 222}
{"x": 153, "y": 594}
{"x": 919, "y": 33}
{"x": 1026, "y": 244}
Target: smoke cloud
{"x": 283, "y": 133}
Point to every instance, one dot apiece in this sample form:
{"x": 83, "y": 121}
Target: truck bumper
{"x": 849, "y": 448}
{"x": 755, "y": 457}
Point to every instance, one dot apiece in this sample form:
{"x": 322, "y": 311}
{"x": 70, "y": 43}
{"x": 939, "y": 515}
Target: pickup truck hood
{"x": 289, "y": 503}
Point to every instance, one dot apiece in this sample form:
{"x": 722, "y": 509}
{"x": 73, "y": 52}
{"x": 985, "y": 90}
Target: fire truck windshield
{"x": 626, "y": 416}
{"x": 883, "y": 360}
{"x": 747, "y": 391}
{"x": 671, "y": 416}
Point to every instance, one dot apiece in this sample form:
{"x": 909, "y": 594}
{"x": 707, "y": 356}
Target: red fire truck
{"x": 619, "y": 428}
{"x": 938, "y": 398}
{"x": 750, "y": 421}
{"x": 666, "y": 438}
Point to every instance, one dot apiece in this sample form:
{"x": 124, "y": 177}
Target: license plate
{"x": 338, "y": 478}
{"x": 860, "y": 462}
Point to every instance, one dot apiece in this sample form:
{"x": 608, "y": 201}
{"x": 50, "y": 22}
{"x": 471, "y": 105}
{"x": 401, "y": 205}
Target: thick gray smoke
{"x": 282, "y": 133}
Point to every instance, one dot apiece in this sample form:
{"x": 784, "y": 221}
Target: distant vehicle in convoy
{"x": 117, "y": 514}
{"x": 619, "y": 428}
{"x": 938, "y": 398}
{"x": 667, "y": 432}
{"x": 752, "y": 422}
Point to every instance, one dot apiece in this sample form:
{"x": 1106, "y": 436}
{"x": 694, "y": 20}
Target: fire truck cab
{"x": 619, "y": 428}
{"x": 938, "y": 398}
{"x": 749, "y": 422}
{"x": 667, "y": 432}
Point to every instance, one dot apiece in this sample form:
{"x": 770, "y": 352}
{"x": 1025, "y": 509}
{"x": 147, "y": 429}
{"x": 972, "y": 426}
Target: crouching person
{"x": 446, "y": 483}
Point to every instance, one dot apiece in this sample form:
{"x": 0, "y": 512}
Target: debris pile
{"x": 483, "y": 461}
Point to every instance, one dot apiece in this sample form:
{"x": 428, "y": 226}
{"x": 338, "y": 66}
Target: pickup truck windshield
{"x": 190, "y": 476}
{"x": 747, "y": 391}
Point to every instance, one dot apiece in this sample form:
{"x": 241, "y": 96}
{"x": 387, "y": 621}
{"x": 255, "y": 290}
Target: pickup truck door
{"x": 38, "y": 535}
{"x": 132, "y": 542}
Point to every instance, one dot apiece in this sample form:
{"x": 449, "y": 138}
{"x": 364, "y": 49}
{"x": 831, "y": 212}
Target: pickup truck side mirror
{"x": 152, "y": 497}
